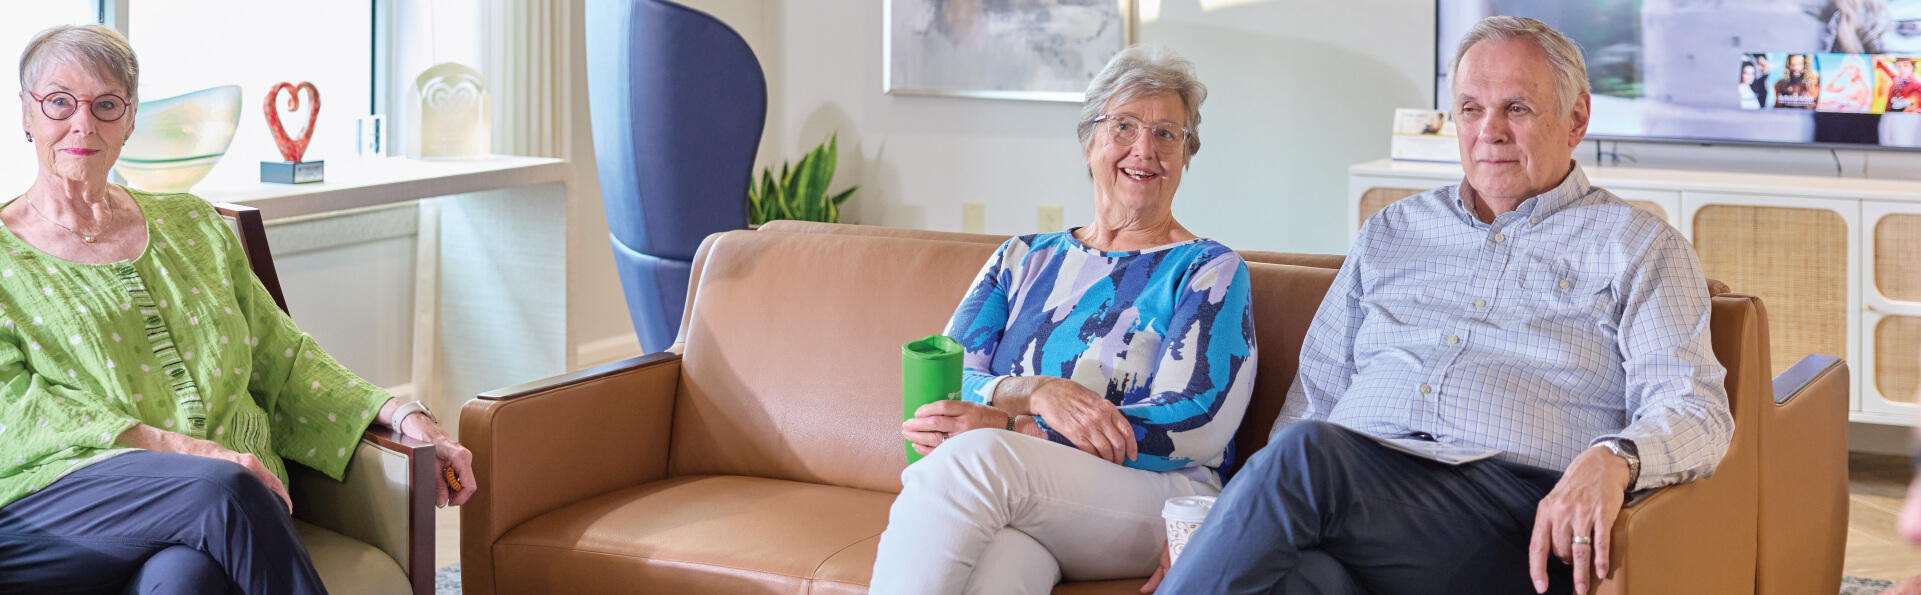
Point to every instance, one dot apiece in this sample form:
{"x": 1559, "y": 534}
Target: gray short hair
{"x": 1143, "y": 71}
{"x": 1570, "y": 70}
{"x": 97, "y": 47}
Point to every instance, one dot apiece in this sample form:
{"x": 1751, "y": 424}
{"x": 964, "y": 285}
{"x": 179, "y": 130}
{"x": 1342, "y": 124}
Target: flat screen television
{"x": 1821, "y": 73}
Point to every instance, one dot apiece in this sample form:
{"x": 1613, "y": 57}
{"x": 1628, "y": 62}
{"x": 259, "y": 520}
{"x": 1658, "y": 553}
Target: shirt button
{"x": 1425, "y": 389}
{"x": 1453, "y": 340}
{"x": 1533, "y": 220}
{"x": 1566, "y": 284}
{"x": 1479, "y": 303}
{"x": 1499, "y": 238}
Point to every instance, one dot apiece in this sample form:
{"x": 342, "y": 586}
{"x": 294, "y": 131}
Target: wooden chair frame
{"x": 422, "y": 475}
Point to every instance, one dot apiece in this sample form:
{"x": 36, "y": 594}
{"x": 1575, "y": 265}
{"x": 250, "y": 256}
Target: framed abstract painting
{"x": 1040, "y": 50}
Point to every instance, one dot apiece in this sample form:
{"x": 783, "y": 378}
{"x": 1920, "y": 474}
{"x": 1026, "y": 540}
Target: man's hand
{"x": 935, "y": 422}
{"x": 1583, "y": 505}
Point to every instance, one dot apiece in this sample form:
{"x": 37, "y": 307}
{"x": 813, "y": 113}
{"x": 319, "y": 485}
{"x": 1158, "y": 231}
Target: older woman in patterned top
{"x": 1107, "y": 369}
{"x": 150, "y": 388}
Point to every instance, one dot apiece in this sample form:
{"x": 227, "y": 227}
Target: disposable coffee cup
{"x": 1184, "y": 516}
{"x": 930, "y": 370}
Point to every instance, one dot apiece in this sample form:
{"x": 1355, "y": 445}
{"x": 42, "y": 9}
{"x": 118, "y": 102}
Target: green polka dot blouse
{"x": 183, "y": 338}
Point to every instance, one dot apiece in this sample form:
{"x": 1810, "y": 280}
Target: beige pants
{"x": 996, "y": 512}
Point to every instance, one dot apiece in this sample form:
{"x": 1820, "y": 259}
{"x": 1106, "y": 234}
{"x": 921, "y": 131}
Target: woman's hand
{"x": 935, "y": 422}
{"x": 1154, "y": 582}
{"x": 146, "y": 437}
{"x": 1092, "y": 423}
{"x": 449, "y": 453}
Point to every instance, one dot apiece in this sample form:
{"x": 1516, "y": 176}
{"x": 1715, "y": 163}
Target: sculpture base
{"x": 293, "y": 172}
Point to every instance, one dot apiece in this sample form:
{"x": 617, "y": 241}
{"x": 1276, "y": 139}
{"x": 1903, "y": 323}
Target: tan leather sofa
{"x": 761, "y": 454}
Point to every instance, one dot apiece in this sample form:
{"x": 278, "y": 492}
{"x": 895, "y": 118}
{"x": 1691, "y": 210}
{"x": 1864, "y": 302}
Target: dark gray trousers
{"x": 1325, "y": 510}
{"x": 148, "y": 522}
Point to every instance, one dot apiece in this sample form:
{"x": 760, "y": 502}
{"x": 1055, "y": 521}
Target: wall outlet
{"x": 973, "y": 217}
{"x": 1050, "y": 219}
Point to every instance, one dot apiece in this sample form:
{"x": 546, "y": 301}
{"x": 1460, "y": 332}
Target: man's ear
{"x": 1578, "y": 118}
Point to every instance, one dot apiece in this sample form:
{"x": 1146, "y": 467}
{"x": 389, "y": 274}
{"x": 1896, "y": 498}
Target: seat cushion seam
{"x": 830, "y": 557}
{"x": 705, "y": 564}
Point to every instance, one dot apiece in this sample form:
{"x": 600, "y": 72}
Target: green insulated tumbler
{"x": 930, "y": 370}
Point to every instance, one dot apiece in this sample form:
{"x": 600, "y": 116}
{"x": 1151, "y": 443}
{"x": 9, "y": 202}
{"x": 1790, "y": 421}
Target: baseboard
{"x": 608, "y": 350}
{"x": 1879, "y": 439}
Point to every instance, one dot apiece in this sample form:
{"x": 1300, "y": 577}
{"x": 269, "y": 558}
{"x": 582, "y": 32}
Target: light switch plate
{"x": 1049, "y": 220}
{"x": 973, "y": 217}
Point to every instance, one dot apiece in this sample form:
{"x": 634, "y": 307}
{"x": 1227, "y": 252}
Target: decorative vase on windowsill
{"x": 177, "y": 140}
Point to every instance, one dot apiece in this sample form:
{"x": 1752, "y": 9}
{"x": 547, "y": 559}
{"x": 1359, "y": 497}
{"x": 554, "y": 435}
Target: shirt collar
{"x": 1571, "y": 189}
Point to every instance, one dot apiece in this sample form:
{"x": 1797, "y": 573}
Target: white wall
{"x": 1298, "y": 94}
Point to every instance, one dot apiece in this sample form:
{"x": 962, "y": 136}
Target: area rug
{"x": 1849, "y": 586}
{"x": 447, "y": 582}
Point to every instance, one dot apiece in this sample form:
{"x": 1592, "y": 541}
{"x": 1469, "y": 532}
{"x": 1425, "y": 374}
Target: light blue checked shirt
{"x": 1572, "y": 319}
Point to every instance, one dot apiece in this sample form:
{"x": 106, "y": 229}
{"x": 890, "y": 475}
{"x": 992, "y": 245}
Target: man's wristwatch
{"x": 1628, "y": 452}
{"x": 1010, "y": 422}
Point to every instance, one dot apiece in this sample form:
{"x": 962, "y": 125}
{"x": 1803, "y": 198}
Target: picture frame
{"x": 1035, "y": 50}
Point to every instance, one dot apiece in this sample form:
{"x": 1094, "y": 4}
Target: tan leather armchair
{"x": 372, "y": 533}
{"x": 760, "y": 455}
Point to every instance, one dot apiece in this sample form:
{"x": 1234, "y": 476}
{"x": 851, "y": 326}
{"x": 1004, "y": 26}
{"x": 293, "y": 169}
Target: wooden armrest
{"x": 546, "y": 444}
{"x": 386, "y": 500}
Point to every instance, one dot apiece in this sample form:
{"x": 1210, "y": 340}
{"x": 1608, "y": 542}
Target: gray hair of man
{"x": 1570, "y": 70}
{"x": 95, "y": 47}
{"x": 1144, "y": 71}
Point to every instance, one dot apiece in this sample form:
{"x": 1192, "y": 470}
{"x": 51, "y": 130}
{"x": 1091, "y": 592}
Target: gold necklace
{"x": 85, "y": 237}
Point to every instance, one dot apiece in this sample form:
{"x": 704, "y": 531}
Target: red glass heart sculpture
{"x": 290, "y": 148}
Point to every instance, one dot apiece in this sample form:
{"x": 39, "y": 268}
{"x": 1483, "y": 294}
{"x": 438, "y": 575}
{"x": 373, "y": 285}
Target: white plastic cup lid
{"x": 1187, "y": 508}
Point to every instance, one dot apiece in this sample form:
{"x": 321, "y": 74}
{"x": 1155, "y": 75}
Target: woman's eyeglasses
{"x": 1167, "y": 136}
{"x": 61, "y": 105}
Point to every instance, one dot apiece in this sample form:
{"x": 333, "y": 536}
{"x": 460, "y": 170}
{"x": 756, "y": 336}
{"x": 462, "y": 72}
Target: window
{"x": 189, "y": 45}
{"x": 17, "y": 161}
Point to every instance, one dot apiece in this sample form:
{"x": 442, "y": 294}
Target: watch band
{"x": 410, "y": 408}
{"x": 1628, "y": 452}
{"x": 1010, "y": 423}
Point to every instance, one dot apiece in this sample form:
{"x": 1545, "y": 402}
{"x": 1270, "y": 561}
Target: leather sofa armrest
{"x": 1804, "y": 479}
{"x": 1803, "y": 376}
{"x": 386, "y": 500}
{"x": 545, "y": 444}
{"x": 1669, "y": 541}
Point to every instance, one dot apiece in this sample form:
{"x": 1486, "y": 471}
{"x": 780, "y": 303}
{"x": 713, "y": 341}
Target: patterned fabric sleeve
{"x": 1677, "y": 401}
{"x": 1206, "y": 371}
{"x": 1327, "y": 353}
{"x": 42, "y": 421}
{"x": 981, "y": 318}
{"x": 319, "y": 409}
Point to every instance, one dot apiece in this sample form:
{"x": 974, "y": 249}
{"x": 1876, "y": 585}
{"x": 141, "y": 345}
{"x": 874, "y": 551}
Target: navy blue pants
{"x": 148, "y": 522}
{"x": 1325, "y": 510}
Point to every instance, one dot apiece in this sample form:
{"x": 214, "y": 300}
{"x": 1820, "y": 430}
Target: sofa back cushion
{"x": 1285, "y": 300}
{"x": 791, "y": 364}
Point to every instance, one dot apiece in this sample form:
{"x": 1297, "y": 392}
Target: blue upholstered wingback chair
{"x": 678, "y": 103}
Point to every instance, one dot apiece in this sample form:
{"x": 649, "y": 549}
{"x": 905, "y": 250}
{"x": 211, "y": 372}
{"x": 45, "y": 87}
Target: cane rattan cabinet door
{"x": 1891, "y": 316}
{"x": 1797, "y": 255}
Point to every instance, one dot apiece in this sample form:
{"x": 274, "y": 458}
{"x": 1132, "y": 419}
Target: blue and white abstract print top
{"x": 1166, "y": 334}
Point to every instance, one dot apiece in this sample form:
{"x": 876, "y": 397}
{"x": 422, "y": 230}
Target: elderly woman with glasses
{"x": 1107, "y": 368}
{"x": 150, "y": 388}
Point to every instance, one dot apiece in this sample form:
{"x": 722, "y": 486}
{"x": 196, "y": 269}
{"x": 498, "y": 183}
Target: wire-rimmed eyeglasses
{"x": 1126, "y": 129}
{"x": 61, "y": 105}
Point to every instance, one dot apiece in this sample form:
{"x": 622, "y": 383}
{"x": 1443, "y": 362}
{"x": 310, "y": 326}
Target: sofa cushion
{"x": 1285, "y": 300}
{"x": 791, "y": 365}
{"x": 700, "y": 534}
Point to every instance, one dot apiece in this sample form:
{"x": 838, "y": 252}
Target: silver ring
{"x": 1582, "y": 540}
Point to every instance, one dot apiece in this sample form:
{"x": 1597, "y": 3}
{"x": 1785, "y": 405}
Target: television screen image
{"x": 1904, "y": 88}
{"x": 1825, "y": 73}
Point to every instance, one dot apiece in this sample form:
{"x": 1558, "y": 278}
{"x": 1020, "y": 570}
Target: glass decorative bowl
{"x": 177, "y": 140}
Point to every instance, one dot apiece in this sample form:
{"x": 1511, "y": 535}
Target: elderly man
{"x": 1496, "y": 365}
